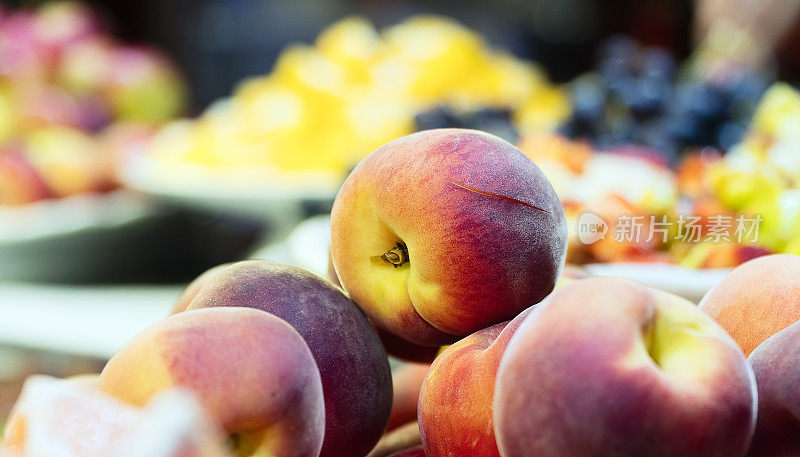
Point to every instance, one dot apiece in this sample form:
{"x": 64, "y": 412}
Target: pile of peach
{"x": 71, "y": 96}
{"x": 444, "y": 237}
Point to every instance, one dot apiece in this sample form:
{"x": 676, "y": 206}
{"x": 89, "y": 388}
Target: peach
{"x": 251, "y": 371}
{"x": 455, "y": 404}
{"x": 410, "y": 352}
{"x": 144, "y": 86}
{"x": 757, "y": 299}
{"x": 444, "y": 232}
{"x": 406, "y": 384}
{"x": 188, "y": 294}
{"x": 20, "y": 181}
{"x": 355, "y": 372}
{"x": 331, "y": 272}
{"x": 777, "y": 377}
{"x": 608, "y": 367}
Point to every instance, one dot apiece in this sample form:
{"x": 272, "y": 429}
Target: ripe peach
{"x": 355, "y": 372}
{"x": 444, "y": 232}
{"x": 251, "y": 371}
{"x": 410, "y": 352}
{"x": 406, "y": 383}
{"x": 188, "y": 294}
{"x": 455, "y": 404}
{"x": 777, "y": 377}
{"x": 20, "y": 181}
{"x": 757, "y": 299}
{"x": 392, "y": 344}
{"x": 608, "y": 367}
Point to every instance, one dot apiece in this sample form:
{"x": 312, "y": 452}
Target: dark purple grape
{"x": 435, "y": 118}
{"x": 617, "y": 47}
{"x": 491, "y": 120}
{"x": 684, "y": 128}
{"x": 657, "y": 64}
{"x": 588, "y": 99}
{"x": 621, "y": 128}
{"x": 646, "y": 97}
{"x": 702, "y": 101}
{"x": 730, "y": 134}
{"x": 745, "y": 93}
{"x": 633, "y": 98}
{"x": 575, "y": 128}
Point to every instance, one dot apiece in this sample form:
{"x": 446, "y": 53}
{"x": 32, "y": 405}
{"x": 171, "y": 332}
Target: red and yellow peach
{"x": 455, "y": 404}
{"x": 250, "y": 370}
{"x": 444, "y": 232}
{"x": 777, "y": 373}
{"x": 355, "y": 373}
{"x": 757, "y": 299}
{"x": 608, "y": 367}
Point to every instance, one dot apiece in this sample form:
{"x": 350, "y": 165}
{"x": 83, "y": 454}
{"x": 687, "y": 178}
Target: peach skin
{"x": 355, "y": 373}
{"x": 455, "y": 404}
{"x": 251, "y": 371}
{"x": 444, "y": 232}
{"x": 757, "y": 299}
{"x": 607, "y": 367}
{"x": 188, "y": 294}
{"x": 777, "y": 372}
{"x": 406, "y": 384}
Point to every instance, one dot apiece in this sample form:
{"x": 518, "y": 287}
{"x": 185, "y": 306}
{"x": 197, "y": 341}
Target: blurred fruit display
{"x": 72, "y": 99}
{"x": 709, "y": 211}
{"x": 640, "y": 95}
{"x": 325, "y": 106}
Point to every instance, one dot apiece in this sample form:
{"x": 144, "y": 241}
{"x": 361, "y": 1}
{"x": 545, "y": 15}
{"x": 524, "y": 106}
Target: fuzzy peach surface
{"x": 485, "y": 234}
{"x": 757, "y": 299}
{"x": 608, "y": 367}
{"x": 251, "y": 371}
{"x": 455, "y": 406}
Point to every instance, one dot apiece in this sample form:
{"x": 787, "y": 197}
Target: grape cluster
{"x": 637, "y": 96}
{"x": 497, "y": 121}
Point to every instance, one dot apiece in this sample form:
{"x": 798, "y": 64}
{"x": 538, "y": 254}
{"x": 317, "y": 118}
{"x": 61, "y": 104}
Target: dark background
{"x": 218, "y": 42}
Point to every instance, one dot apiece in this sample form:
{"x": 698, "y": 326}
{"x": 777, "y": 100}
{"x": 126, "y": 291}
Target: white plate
{"x": 84, "y": 320}
{"x": 269, "y": 195}
{"x": 71, "y": 239}
{"x": 58, "y": 217}
{"x": 686, "y": 282}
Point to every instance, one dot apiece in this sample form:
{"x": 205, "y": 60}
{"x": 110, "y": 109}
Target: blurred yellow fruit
{"x": 7, "y": 120}
{"x": 738, "y": 189}
{"x": 69, "y": 160}
{"x": 325, "y": 107}
{"x": 439, "y": 54}
{"x": 353, "y": 43}
{"x": 544, "y": 110}
{"x": 779, "y": 110}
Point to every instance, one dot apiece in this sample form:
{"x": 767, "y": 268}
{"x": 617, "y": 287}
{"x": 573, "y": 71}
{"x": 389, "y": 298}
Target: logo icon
{"x": 591, "y": 228}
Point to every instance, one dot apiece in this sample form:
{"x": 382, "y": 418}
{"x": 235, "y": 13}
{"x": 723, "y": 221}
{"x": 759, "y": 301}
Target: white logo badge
{"x": 591, "y": 228}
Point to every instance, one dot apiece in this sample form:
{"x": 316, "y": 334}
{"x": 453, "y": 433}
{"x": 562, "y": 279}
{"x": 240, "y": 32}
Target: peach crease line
{"x": 483, "y": 192}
